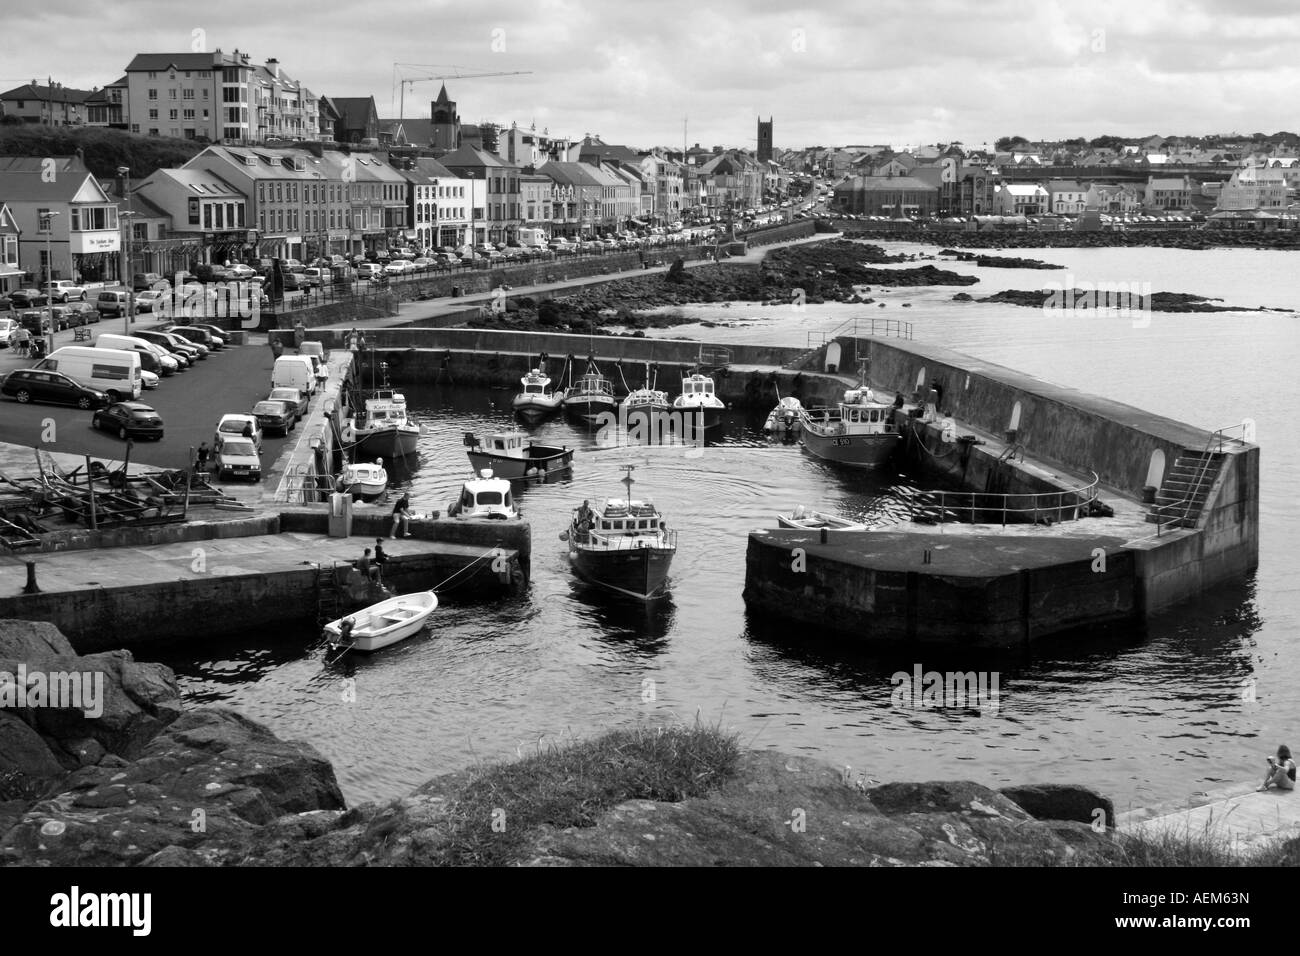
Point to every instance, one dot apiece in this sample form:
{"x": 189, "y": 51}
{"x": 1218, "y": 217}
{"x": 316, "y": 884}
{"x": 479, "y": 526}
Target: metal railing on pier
{"x": 853, "y": 328}
{"x": 1177, "y": 513}
{"x": 982, "y": 507}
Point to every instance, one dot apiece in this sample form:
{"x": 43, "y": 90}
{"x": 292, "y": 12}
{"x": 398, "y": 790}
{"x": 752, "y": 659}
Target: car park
{"x": 276, "y": 416}
{"x": 238, "y": 425}
{"x": 37, "y": 385}
{"x": 129, "y": 420}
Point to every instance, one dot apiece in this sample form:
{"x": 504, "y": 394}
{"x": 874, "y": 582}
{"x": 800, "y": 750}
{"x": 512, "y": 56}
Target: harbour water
{"x": 1191, "y": 703}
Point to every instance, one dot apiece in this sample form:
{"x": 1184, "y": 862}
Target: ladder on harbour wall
{"x": 329, "y": 603}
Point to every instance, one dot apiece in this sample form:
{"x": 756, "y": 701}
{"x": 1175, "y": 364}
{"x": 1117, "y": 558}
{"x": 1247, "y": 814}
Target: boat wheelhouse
{"x": 382, "y": 429}
{"x": 700, "y": 401}
{"x": 484, "y": 496}
{"x": 590, "y": 397}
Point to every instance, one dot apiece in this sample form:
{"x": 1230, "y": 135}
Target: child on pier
{"x": 1281, "y": 770}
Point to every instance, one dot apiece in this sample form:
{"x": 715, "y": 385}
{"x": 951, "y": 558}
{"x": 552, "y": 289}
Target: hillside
{"x": 103, "y": 149}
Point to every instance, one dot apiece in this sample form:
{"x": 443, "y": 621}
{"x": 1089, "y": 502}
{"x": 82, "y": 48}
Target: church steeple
{"x": 446, "y": 122}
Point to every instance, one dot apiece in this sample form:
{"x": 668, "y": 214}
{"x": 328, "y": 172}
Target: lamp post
{"x": 49, "y": 273}
{"x": 129, "y": 261}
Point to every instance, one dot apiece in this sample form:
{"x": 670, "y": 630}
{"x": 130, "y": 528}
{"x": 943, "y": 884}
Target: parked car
{"x": 276, "y": 416}
{"x": 173, "y": 344}
{"x": 194, "y": 333}
{"x": 7, "y": 328}
{"x": 150, "y": 300}
{"x": 422, "y": 264}
{"x": 233, "y": 425}
{"x": 238, "y": 457}
{"x": 111, "y": 302}
{"x": 145, "y": 280}
{"x": 129, "y": 420}
{"x": 28, "y": 298}
{"x": 65, "y": 290}
{"x": 314, "y": 277}
{"x": 85, "y": 311}
{"x": 240, "y": 271}
{"x": 395, "y": 268}
{"x": 218, "y": 334}
{"x": 299, "y": 401}
{"x": 36, "y": 385}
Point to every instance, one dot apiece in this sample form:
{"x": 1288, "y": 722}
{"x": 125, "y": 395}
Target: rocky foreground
{"x": 151, "y": 783}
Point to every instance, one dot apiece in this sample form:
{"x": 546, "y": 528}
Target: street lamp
{"x": 129, "y": 260}
{"x": 49, "y": 273}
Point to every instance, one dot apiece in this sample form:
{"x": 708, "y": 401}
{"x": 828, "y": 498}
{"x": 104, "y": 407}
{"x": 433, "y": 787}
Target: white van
{"x": 294, "y": 371}
{"x": 115, "y": 372}
{"x": 152, "y": 357}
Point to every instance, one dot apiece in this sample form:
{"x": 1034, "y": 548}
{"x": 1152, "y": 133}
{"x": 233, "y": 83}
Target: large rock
{"x": 212, "y": 775}
{"x": 1062, "y": 801}
{"x": 32, "y": 640}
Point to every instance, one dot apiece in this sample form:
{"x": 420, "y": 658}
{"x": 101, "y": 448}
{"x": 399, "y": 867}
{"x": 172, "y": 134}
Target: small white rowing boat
{"x": 816, "y": 520}
{"x": 382, "y": 624}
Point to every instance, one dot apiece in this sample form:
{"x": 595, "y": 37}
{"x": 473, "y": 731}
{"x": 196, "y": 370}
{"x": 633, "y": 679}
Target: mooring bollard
{"x": 31, "y": 587}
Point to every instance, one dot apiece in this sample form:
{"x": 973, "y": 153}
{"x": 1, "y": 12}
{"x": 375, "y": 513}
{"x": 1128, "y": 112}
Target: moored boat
{"x": 622, "y": 544}
{"x": 591, "y": 397}
{"x": 363, "y": 479}
{"x": 644, "y": 408}
{"x": 383, "y": 624}
{"x": 536, "y": 401}
{"x": 699, "y": 401}
{"x": 382, "y": 429}
{"x": 806, "y": 520}
{"x": 512, "y": 456}
{"x": 858, "y": 433}
{"x": 786, "y": 418}
{"x": 484, "y": 496}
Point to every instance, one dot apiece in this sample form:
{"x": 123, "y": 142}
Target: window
{"x": 153, "y": 94}
{"x": 261, "y": 192}
{"x": 187, "y": 93}
{"x": 171, "y": 114}
{"x": 189, "y": 115}
{"x": 171, "y": 94}
{"x": 153, "y": 114}
{"x": 135, "y": 127}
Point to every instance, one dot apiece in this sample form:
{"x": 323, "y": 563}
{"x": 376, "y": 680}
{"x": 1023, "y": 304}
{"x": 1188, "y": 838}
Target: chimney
{"x": 273, "y": 67}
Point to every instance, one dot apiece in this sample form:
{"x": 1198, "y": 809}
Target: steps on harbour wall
{"x": 1185, "y": 489}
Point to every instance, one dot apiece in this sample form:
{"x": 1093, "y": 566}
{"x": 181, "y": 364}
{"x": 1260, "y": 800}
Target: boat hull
{"x": 547, "y": 460}
{"x": 365, "y": 490}
{"x": 533, "y": 407}
{"x": 707, "y": 417}
{"x": 851, "y": 451}
{"x": 635, "y": 572}
{"x": 388, "y": 443}
{"x": 591, "y": 410}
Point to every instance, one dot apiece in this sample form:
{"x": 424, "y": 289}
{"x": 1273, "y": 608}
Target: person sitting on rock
{"x": 1281, "y": 770}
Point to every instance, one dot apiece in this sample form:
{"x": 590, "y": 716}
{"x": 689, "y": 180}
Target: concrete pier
{"x": 1239, "y": 819}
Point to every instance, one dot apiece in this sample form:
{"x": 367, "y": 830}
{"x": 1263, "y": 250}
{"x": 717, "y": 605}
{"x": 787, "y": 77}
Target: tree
{"x": 1007, "y": 143}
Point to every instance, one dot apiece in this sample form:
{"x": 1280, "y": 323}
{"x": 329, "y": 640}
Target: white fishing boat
{"x": 363, "y": 479}
{"x": 484, "y": 496}
{"x": 536, "y": 401}
{"x": 591, "y": 397}
{"x": 382, "y": 429}
{"x": 858, "y": 433}
{"x": 513, "y": 455}
{"x": 699, "y": 401}
{"x": 786, "y": 418}
{"x": 383, "y": 624}
{"x": 806, "y": 520}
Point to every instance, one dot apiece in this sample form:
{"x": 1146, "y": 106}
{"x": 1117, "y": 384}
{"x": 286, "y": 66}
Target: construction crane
{"x": 402, "y": 82}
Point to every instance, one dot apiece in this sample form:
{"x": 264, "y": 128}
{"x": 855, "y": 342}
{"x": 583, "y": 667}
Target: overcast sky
{"x": 875, "y": 71}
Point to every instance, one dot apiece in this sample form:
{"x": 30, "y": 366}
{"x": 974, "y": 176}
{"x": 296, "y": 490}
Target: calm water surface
{"x": 1191, "y": 702}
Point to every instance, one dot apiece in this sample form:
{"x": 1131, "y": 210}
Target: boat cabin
{"x": 535, "y": 383}
{"x": 503, "y": 444}
{"x": 593, "y": 383}
{"x": 697, "y": 385}
{"x": 618, "y": 516}
{"x": 384, "y": 411}
{"x": 484, "y": 497}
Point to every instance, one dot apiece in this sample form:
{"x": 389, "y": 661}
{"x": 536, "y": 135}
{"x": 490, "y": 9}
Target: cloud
{"x": 884, "y": 71}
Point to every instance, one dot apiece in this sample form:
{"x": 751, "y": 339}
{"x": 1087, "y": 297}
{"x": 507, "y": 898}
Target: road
{"x": 190, "y": 403}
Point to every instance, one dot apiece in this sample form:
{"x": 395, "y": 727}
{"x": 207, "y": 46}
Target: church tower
{"x": 446, "y": 122}
{"x": 764, "y": 140}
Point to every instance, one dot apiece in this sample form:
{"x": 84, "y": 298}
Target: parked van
{"x": 294, "y": 371}
{"x": 150, "y": 358}
{"x": 533, "y": 238}
{"x": 312, "y": 348}
{"x": 115, "y": 372}
{"x": 111, "y": 303}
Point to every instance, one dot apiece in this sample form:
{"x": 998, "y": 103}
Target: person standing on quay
{"x": 299, "y": 333}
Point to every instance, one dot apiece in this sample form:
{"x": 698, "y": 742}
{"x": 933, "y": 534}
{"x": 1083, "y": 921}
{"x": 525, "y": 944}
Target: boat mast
{"x": 627, "y": 479}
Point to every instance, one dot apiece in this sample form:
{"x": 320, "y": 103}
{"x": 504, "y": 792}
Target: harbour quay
{"x": 1074, "y": 512}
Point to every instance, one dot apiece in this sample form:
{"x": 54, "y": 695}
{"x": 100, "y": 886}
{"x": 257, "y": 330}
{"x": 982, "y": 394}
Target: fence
{"x": 1043, "y": 506}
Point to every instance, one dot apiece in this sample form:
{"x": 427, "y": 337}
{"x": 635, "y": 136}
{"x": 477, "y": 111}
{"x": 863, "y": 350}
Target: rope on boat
{"x": 441, "y": 585}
